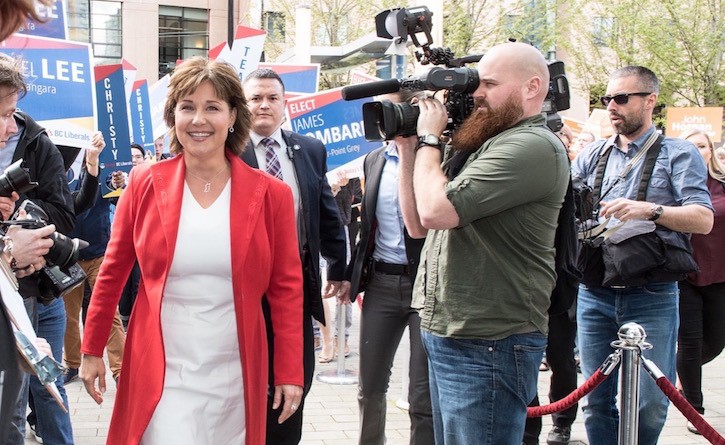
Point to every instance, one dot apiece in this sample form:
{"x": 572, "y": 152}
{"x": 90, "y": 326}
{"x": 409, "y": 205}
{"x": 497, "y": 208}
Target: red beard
{"x": 482, "y": 125}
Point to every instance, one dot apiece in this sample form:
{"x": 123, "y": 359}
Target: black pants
{"x": 289, "y": 432}
{"x": 701, "y": 337}
{"x": 385, "y": 314}
{"x": 560, "y": 357}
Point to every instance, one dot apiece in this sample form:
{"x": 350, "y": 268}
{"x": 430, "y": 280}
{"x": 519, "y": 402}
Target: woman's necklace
{"x": 207, "y": 184}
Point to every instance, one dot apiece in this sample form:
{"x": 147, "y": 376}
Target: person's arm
{"x": 436, "y": 211}
{"x": 285, "y": 297}
{"x": 693, "y": 218}
{"x": 408, "y": 206}
{"x": 117, "y": 263}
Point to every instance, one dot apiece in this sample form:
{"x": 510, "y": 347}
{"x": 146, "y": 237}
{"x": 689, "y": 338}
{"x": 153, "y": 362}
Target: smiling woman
{"x": 197, "y": 339}
{"x": 14, "y": 13}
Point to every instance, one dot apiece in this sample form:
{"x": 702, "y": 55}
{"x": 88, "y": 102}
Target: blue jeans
{"x": 600, "y": 313}
{"x": 480, "y": 388}
{"x": 53, "y": 424}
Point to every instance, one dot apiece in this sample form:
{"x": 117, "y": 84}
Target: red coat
{"x": 265, "y": 259}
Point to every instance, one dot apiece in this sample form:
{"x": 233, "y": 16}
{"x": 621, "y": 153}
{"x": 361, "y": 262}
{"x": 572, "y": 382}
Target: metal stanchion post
{"x": 631, "y": 341}
{"x": 339, "y": 376}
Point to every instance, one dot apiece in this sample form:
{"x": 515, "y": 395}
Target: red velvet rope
{"x": 567, "y": 402}
{"x": 707, "y": 431}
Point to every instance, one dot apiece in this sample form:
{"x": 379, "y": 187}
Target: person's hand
{"x": 332, "y": 289}
{"x": 118, "y": 180}
{"x": 433, "y": 118}
{"x": 7, "y": 205}
{"x": 292, "y": 395}
{"x": 406, "y": 145}
{"x": 93, "y": 154}
{"x": 97, "y": 146}
{"x": 343, "y": 295}
{"x": 28, "y": 247}
{"x": 92, "y": 369}
{"x": 43, "y": 346}
{"x": 626, "y": 209}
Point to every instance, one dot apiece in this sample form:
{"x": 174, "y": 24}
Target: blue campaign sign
{"x": 296, "y": 78}
{"x": 60, "y": 81}
{"x": 113, "y": 120}
{"x": 140, "y": 111}
{"x": 53, "y": 21}
{"x": 336, "y": 122}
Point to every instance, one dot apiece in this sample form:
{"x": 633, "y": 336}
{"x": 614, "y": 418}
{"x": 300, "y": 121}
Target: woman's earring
{"x": 231, "y": 129}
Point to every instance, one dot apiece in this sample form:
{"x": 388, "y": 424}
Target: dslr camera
{"x": 61, "y": 273}
{"x": 383, "y": 120}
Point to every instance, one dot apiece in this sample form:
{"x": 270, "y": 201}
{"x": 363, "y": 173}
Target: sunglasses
{"x": 620, "y": 99}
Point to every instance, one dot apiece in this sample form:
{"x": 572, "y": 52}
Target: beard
{"x": 483, "y": 124}
{"x": 628, "y": 124}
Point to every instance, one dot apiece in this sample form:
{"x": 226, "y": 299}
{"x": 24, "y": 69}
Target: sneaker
{"x": 71, "y": 375}
{"x": 691, "y": 428}
{"x": 559, "y": 435}
{"x": 35, "y": 434}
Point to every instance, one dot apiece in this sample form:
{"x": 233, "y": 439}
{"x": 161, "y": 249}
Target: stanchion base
{"x": 333, "y": 377}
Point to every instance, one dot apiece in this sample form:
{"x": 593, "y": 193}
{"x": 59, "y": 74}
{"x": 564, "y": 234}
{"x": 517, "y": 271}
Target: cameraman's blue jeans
{"x": 480, "y": 388}
{"x": 600, "y": 313}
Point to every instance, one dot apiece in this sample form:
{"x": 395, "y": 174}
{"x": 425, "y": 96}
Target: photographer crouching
{"x": 487, "y": 267}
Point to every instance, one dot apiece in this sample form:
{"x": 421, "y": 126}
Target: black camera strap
{"x": 650, "y": 150}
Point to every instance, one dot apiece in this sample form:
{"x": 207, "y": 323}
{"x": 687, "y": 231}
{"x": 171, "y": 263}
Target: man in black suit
{"x": 301, "y": 162}
{"x": 384, "y": 264}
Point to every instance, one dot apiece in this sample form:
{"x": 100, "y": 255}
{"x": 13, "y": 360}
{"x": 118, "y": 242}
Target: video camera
{"x": 61, "y": 273}
{"x": 383, "y": 120}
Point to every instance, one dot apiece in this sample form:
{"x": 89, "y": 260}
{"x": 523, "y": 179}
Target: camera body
{"x": 61, "y": 273}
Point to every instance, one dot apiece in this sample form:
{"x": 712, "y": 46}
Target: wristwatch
{"x": 657, "y": 211}
{"x": 430, "y": 139}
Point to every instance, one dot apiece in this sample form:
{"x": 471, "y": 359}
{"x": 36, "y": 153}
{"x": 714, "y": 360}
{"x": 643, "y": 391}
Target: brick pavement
{"x": 331, "y": 414}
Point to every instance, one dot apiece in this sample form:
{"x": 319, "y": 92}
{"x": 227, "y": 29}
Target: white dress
{"x": 202, "y": 402}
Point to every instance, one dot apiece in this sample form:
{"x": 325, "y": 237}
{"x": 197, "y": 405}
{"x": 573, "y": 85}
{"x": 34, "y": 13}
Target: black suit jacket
{"x": 323, "y": 232}
{"x": 360, "y": 267}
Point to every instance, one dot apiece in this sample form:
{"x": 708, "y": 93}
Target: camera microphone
{"x": 369, "y": 89}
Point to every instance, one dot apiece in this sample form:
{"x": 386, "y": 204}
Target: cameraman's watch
{"x": 657, "y": 211}
{"x": 430, "y": 139}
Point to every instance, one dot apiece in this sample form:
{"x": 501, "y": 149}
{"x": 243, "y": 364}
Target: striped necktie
{"x": 273, "y": 166}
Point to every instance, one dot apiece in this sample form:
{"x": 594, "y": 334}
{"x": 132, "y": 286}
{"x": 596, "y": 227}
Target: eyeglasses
{"x": 621, "y": 98}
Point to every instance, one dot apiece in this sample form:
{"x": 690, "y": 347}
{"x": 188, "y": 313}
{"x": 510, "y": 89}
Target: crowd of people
{"x": 458, "y": 243}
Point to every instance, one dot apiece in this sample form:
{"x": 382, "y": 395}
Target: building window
{"x": 183, "y": 34}
{"x": 603, "y": 30}
{"x": 99, "y": 23}
{"x": 274, "y": 24}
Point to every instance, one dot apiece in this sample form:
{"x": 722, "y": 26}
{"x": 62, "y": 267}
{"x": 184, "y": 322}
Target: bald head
{"x": 520, "y": 63}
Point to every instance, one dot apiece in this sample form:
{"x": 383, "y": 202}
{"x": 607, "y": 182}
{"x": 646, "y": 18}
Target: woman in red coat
{"x": 212, "y": 236}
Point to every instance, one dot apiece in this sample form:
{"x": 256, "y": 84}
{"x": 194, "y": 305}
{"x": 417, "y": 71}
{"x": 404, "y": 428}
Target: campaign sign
{"x": 112, "y": 120}
{"x": 296, "y": 78}
{"x": 140, "y": 111}
{"x": 157, "y": 99}
{"x": 61, "y": 97}
{"x": 246, "y": 50}
{"x": 53, "y": 22}
{"x": 336, "y": 122}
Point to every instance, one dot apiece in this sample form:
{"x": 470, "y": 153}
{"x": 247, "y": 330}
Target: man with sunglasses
{"x": 678, "y": 200}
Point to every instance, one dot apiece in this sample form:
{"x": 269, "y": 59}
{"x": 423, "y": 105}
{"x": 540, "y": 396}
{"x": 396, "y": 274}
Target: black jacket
{"x": 323, "y": 232}
{"x": 360, "y": 267}
{"x": 45, "y": 165}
